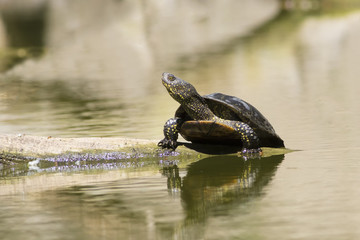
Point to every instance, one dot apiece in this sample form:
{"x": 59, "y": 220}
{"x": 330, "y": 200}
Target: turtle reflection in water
{"x": 219, "y": 183}
{"x": 216, "y": 118}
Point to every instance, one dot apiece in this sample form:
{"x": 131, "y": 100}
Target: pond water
{"x": 300, "y": 71}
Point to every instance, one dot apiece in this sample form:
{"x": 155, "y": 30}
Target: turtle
{"x": 216, "y": 118}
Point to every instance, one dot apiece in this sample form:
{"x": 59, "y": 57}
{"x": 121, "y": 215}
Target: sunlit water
{"x": 304, "y": 81}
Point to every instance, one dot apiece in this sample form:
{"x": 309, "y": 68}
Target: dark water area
{"x": 170, "y": 202}
{"x": 299, "y": 69}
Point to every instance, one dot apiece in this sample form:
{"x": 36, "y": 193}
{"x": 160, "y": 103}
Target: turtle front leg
{"x": 251, "y": 144}
{"x": 171, "y": 132}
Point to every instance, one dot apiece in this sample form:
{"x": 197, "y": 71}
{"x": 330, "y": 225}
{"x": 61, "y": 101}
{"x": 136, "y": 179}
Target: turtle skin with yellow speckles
{"x": 215, "y": 118}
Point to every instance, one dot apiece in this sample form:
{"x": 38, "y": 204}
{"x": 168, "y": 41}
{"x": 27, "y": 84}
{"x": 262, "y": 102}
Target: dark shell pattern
{"x": 225, "y": 106}
{"x": 233, "y": 108}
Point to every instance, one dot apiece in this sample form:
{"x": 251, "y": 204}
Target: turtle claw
{"x": 167, "y": 143}
{"x": 251, "y": 153}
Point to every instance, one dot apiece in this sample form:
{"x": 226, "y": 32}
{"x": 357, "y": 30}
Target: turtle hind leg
{"x": 250, "y": 141}
{"x": 171, "y": 132}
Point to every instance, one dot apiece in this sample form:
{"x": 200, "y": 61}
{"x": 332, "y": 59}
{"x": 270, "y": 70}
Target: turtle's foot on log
{"x": 168, "y": 143}
{"x": 251, "y": 153}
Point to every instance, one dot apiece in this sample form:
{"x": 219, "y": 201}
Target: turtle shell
{"x": 228, "y": 108}
{"x": 209, "y": 132}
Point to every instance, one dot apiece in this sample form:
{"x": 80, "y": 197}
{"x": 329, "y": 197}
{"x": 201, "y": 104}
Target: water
{"x": 299, "y": 70}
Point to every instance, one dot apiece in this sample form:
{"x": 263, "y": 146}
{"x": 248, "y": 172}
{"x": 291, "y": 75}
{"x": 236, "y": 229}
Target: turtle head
{"x": 185, "y": 93}
{"x": 178, "y": 89}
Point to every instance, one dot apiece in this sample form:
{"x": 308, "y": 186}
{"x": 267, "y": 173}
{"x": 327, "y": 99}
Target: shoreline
{"x": 30, "y": 145}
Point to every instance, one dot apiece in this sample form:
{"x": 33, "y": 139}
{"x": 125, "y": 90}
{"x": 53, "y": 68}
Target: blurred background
{"x": 83, "y": 68}
{"x": 93, "y": 68}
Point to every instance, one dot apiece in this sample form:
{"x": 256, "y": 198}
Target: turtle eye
{"x": 171, "y": 77}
